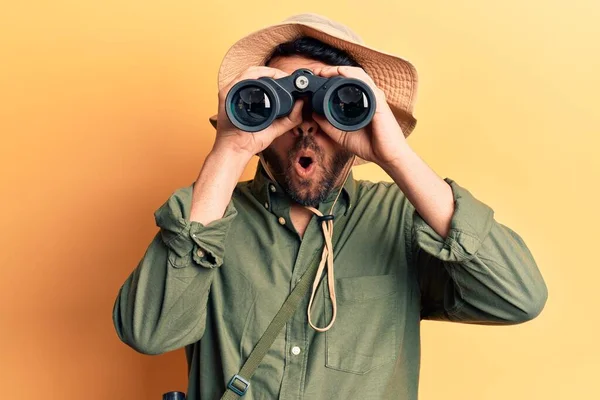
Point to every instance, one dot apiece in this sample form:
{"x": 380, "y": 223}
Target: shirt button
{"x": 272, "y": 187}
{"x": 295, "y": 350}
{"x": 200, "y": 253}
{"x": 267, "y": 206}
{"x": 281, "y": 220}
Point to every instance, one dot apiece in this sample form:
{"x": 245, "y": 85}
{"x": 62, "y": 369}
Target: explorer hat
{"x": 396, "y": 76}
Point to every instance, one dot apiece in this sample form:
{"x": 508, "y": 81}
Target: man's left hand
{"x": 381, "y": 141}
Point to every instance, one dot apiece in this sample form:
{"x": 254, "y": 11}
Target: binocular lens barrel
{"x": 251, "y": 105}
{"x": 349, "y": 105}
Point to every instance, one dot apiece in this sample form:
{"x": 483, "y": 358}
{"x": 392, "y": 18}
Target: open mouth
{"x": 305, "y": 163}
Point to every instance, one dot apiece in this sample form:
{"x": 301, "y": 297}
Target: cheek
{"x": 328, "y": 144}
{"x": 283, "y": 144}
{"x": 284, "y": 141}
{"x": 331, "y": 149}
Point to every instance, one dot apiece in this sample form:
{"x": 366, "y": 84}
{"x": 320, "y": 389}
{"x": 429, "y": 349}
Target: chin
{"x": 304, "y": 192}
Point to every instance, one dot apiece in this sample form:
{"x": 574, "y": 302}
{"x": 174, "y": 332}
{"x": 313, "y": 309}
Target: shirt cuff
{"x": 470, "y": 225}
{"x": 191, "y": 240}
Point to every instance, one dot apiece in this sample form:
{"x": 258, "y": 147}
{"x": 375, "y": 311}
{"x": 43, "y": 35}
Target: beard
{"x": 312, "y": 191}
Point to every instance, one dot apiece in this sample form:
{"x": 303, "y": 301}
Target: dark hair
{"x": 314, "y": 49}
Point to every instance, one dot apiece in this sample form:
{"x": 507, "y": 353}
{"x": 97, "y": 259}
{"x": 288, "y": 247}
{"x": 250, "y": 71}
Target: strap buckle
{"x": 326, "y": 217}
{"x": 231, "y": 385}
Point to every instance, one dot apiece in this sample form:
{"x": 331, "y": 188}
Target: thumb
{"x": 289, "y": 122}
{"x": 331, "y": 131}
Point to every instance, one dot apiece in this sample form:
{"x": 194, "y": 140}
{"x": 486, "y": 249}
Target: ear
{"x": 213, "y": 121}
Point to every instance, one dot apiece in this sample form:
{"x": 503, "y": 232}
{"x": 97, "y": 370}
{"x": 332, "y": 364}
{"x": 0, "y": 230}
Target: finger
{"x": 289, "y": 122}
{"x": 253, "y": 73}
{"x": 262, "y": 71}
{"x": 331, "y": 131}
{"x": 348, "y": 72}
{"x": 327, "y": 72}
{"x": 343, "y": 70}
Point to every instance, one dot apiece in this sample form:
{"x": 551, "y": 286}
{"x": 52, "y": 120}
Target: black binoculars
{"x": 347, "y": 103}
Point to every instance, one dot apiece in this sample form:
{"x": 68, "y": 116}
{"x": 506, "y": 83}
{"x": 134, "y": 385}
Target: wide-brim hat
{"x": 394, "y": 75}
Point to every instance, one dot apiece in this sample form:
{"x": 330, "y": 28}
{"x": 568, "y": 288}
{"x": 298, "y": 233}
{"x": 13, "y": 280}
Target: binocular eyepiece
{"x": 347, "y": 103}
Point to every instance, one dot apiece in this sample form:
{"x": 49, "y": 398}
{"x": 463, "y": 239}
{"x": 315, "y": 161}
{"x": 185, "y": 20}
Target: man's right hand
{"x": 248, "y": 144}
{"x": 232, "y": 151}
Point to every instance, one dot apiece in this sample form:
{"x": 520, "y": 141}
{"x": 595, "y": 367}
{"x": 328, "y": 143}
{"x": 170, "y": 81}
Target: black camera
{"x": 347, "y": 103}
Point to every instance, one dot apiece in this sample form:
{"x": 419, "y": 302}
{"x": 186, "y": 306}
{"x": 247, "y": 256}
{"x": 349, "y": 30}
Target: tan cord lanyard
{"x": 327, "y": 256}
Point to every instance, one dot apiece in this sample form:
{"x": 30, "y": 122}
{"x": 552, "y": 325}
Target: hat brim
{"x": 395, "y": 76}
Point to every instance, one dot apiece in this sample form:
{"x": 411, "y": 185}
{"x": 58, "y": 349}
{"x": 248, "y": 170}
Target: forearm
{"x": 215, "y": 183}
{"x": 481, "y": 272}
{"x": 161, "y": 307}
{"x": 428, "y": 193}
{"x": 499, "y": 283}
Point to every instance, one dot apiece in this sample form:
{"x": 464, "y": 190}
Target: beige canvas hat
{"x": 396, "y": 76}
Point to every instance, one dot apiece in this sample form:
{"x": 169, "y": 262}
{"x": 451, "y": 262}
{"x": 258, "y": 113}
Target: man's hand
{"x": 381, "y": 140}
{"x": 245, "y": 143}
{"x": 383, "y": 143}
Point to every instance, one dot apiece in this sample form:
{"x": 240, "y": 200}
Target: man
{"x": 228, "y": 254}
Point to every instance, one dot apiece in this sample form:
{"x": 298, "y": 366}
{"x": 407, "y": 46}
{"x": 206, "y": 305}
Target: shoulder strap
{"x": 239, "y": 383}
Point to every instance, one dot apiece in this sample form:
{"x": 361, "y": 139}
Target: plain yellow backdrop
{"x": 104, "y": 110}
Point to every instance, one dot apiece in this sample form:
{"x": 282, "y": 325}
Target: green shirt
{"x": 214, "y": 289}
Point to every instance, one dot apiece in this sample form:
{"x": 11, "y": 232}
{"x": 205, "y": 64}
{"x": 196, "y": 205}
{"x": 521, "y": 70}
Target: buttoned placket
{"x": 296, "y": 342}
{"x": 297, "y": 334}
{"x": 279, "y": 205}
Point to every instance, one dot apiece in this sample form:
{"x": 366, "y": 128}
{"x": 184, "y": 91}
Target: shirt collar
{"x": 263, "y": 188}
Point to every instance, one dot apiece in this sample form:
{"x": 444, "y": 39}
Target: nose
{"x": 308, "y": 125}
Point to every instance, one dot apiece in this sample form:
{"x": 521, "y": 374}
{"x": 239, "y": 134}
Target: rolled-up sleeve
{"x": 482, "y": 272}
{"x": 162, "y": 304}
{"x": 191, "y": 241}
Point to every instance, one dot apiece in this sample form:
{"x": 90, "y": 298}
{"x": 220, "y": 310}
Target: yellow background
{"x": 104, "y": 108}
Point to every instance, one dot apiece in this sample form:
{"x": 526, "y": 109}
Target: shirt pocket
{"x": 365, "y": 333}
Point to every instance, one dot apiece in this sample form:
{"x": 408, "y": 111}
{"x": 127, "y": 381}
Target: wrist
{"x": 224, "y": 166}
{"x": 229, "y": 155}
{"x": 400, "y": 156}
